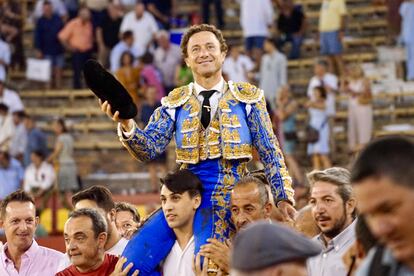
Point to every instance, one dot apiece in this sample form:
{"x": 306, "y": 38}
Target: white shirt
{"x": 255, "y": 17}
{"x": 19, "y": 140}
{"x": 5, "y": 56}
{"x": 178, "y": 261}
{"x": 143, "y": 28}
{"x": 12, "y": 100}
{"x": 118, "y": 248}
{"x": 273, "y": 74}
{"x": 237, "y": 69}
{"x": 7, "y": 130}
{"x": 118, "y": 50}
{"x": 42, "y": 177}
{"x": 329, "y": 80}
{"x": 167, "y": 61}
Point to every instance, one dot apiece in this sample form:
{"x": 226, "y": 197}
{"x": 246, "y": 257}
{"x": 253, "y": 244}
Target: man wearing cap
{"x": 334, "y": 210}
{"x": 264, "y": 249}
{"x": 216, "y": 124}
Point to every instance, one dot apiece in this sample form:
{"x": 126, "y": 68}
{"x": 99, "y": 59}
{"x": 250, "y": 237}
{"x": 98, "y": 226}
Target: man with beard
{"x": 334, "y": 211}
{"x": 383, "y": 181}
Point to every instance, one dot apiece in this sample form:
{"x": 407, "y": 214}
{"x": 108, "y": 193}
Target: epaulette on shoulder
{"x": 245, "y": 92}
{"x": 177, "y": 97}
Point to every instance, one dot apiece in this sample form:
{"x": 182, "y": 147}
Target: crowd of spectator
{"x": 344, "y": 216}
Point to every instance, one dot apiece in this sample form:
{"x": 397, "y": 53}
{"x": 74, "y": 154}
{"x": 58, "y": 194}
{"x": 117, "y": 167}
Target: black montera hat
{"x": 107, "y": 88}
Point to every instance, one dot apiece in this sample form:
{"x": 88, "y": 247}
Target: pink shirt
{"x": 37, "y": 260}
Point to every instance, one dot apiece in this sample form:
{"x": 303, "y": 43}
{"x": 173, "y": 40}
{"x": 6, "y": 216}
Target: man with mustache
{"x": 334, "y": 211}
{"x": 384, "y": 187}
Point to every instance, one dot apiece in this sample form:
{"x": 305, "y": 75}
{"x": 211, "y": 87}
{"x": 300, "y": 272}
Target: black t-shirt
{"x": 110, "y": 29}
{"x": 164, "y": 6}
{"x": 291, "y": 24}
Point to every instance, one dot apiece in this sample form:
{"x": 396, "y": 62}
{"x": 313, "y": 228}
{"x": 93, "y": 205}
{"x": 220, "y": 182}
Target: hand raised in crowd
{"x": 201, "y": 270}
{"x": 218, "y": 252}
{"x": 287, "y": 210}
{"x": 106, "y": 107}
{"x": 118, "y": 268}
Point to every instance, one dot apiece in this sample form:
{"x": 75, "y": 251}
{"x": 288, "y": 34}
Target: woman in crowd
{"x": 128, "y": 75}
{"x": 183, "y": 75}
{"x": 62, "y": 157}
{"x": 286, "y": 110}
{"x": 319, "y": 150}
{"x": 360, "y": 120}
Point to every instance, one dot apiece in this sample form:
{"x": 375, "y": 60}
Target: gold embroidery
{"x": 237, "y": 151}
{"x": 190, "y": 140}
{"x": 245, "y": 92}
{"x": 177, "y": 97}
{"x": 187, "y": 156}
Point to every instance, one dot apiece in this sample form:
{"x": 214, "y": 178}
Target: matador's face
{"x": 205, "y": 57}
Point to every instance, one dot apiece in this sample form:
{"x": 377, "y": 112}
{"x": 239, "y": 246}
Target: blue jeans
{"x": 296, "y": 42}
{"x": 254, "y": 42}
{"x": 330, "y": 43}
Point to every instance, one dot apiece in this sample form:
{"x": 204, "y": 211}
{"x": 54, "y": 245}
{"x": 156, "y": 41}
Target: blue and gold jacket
{"x": 232, "y": 132}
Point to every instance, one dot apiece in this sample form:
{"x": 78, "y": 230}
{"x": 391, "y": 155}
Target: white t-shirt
{"x": 118, "y": 248}
{"x": 42, "y": 178}
{"x": 237, "y": 70}
{"x": 143, "y": 28}
{"x": 12, "y": 100}
{"x": 255, "y": 17}
{"x": 179, "y": 261}
{"x": 329, "y": 80}
{"x": 167, "y": 61}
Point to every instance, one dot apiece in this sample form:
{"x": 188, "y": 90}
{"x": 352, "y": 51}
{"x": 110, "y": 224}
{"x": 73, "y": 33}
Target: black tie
{"x": 206, "y": 109}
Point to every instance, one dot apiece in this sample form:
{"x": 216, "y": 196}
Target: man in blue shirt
{"x": 11, "y": 175}
{"x": 47, "y": 43}
{"x": 36, "y": 139}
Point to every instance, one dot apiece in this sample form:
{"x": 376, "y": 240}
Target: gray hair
{"x": 98, "y": 222}
{"x": 337, "y": 176}
{"x": 261, "y": 186}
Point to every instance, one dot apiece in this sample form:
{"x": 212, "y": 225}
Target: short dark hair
{"x": 386, "y": 157}
{"x": 261, "y": 186}
{"x": 322, "y": 62}
{"x": 98, "y": 222}
{"x": 322, "y": 90}
{"x": 147, "y": 58}
{"x": 19, "y": 196}
{"x": 183, "y": 181}
{"x": 102, "y": 196}
{"x": 62, "y": 124}
{"x": 20, "y": 114}
{"x": 202, "y": 28}
{"x": 4, "y": 107}
{"x": 364, "y": 235}
{"x": 272, "y": 41}
{"x": 125, "y": 206}
{"x": 127, "y": 34}
{"x": 39, "y": 153}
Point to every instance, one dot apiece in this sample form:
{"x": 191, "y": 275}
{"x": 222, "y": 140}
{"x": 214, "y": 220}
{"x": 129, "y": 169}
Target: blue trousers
{"x": 155, "y": 239}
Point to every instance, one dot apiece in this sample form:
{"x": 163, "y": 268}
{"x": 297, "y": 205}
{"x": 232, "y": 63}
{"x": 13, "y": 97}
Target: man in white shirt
{"x": 39, "y": 177}
{"x": 19, "y": 140}
{"x": 125, "y": 45}
{"x": 142, "y": 24}
{"x": 333, "y": 207}
{"x": 255, "y": 19}
{"x": 236, "y": 66}
{"x": 166, "y": 57}
{"x": 327, "y": 80}
{"x": 273, "y": 71}
{"x": 5, "y": 58}
{"x": 180, "y": 198}
{"x": 10, "y": 98}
